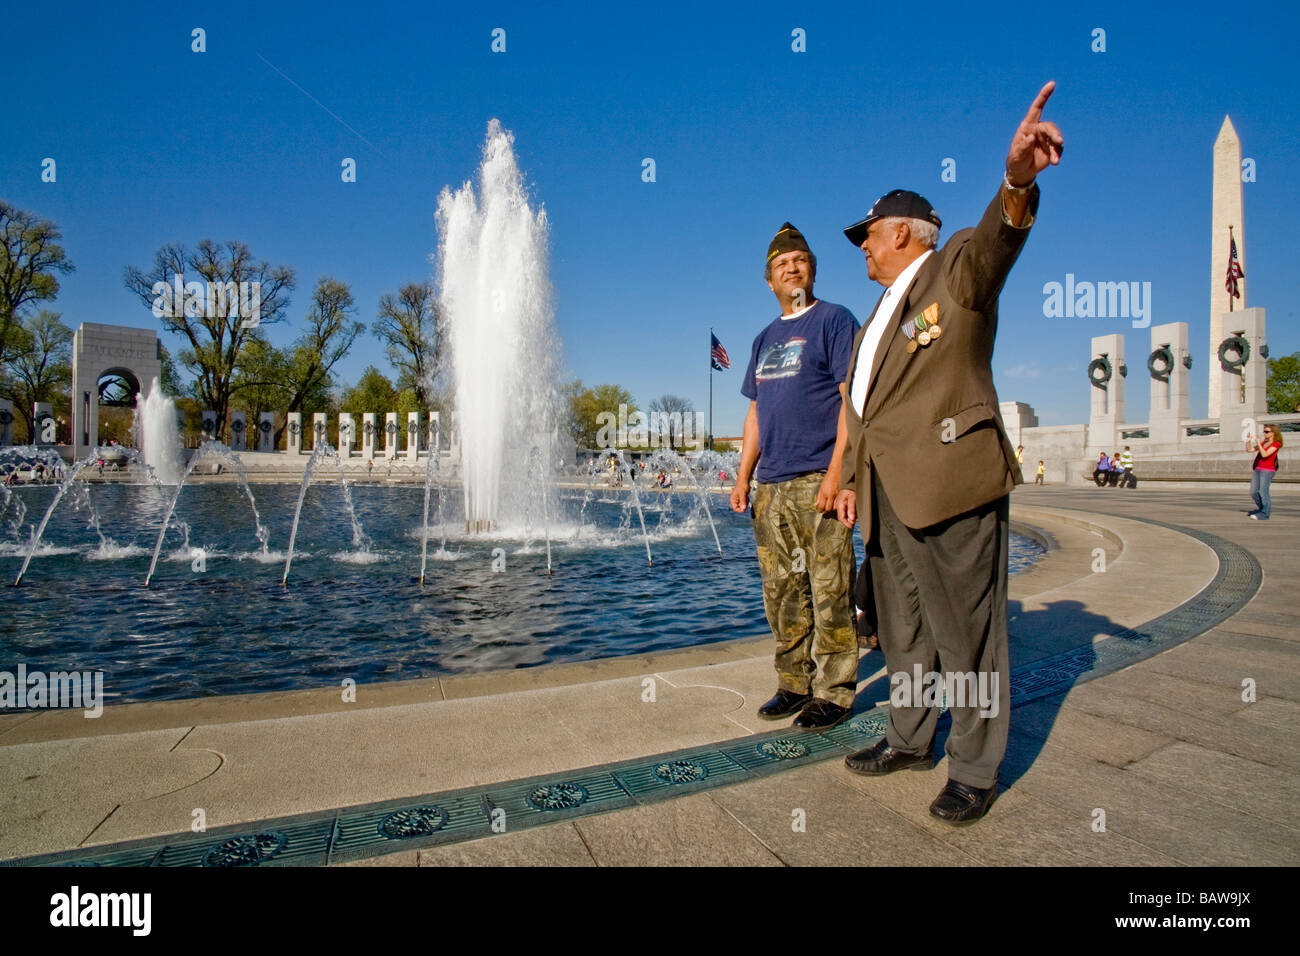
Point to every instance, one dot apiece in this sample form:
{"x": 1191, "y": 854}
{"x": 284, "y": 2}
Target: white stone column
{"x": 347, "y": 435}
{"x": 319, "y": 430}
{"x": 391, "y": 430}
{"x": 208, "y": 424}
{"x": 1170, "y": 404}
{"x": 43, "y": 424}
{"x": 1108, "y": 397}
{"x": 412, "y": 436}
{"x": 238, "y": 431}
{"x": 294, "y": 430}
{"x": 1236, "y": 407}
{"x": 369, "y": 435}
{"x": 6, "y": 422}
{"x": 435, "y": 434}
{"x": 266, "y": 431}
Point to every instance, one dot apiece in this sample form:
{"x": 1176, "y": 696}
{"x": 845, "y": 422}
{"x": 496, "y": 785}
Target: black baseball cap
{"x": 900, "y": 202}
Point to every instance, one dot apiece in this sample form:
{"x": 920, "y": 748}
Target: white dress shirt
{"x": 883, "y": 318}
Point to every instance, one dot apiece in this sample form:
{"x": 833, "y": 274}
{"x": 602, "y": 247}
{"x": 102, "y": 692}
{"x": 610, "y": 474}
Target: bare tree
{"x": 214, "y": 324}
{"x": 667, "y": 415}
{"x": 411, "y": 327}
{"x": 330, "y": 333}
{"x": 29, "y": 256}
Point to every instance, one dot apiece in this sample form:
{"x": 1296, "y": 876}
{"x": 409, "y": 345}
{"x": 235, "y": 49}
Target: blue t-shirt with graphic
{"x": 795, "y": 370}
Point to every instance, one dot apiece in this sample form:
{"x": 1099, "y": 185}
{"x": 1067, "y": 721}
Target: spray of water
{"x": 494, "y": 291}
{"x": 158, "y": 435}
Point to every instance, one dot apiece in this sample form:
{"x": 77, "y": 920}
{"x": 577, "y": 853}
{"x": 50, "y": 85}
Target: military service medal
{"x": 931, "y": 315}
{"x": 923, "y": 329}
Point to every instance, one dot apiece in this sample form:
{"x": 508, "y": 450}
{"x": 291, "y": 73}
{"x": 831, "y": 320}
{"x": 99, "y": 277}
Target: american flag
{"x": 718, "y": 355}
{"x": 1234, "y": 269}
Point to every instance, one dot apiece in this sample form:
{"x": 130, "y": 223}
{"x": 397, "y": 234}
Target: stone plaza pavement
{"x": 1180, "y": 768}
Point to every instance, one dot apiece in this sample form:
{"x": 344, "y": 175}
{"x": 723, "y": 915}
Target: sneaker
{"x": 1254, "y": 516}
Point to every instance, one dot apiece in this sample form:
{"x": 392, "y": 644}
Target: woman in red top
{"x": 1265, "y": 467}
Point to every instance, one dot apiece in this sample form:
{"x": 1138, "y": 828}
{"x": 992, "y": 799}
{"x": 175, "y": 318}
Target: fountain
{"x": 496, "y": 296}
{"x": 157, "y": 434}
{"x": 230, "y": 626}
{"x": 359, "y": 540}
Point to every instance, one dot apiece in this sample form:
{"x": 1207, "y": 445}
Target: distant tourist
{"x": 1116, "y": 469}
{"x": 1263, "y": 468}
{"x": 1101, "y": 471}
{"x": 1038, "y": 476}
{"x": 1020, "y": 454}
{"x": 1128, "y": 479}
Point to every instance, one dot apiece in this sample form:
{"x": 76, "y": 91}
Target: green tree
{"x": 213, "y": 327}
{"x": 39, "y": 368}
{"x": 374, "y": 392}
{"x": 1284, "y": 384}
{"x": 30, "y": 255}
{"x": 330, "y": 333}
{"x": 260, "y": 385}
{"x": 170, "y": 377}
{"x": 411, "y": 327}
{"x": 585, "y": 405}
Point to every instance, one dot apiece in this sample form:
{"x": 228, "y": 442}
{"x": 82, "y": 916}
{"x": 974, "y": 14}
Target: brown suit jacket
{"x": 931, "y": 429}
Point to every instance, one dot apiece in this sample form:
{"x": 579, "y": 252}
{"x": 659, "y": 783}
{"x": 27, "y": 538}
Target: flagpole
{"x": 710, "y": 388}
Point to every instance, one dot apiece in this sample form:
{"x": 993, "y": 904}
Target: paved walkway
{"x": 1183, "y": 769}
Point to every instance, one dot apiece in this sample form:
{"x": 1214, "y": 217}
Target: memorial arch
{"x": 124, "y": 361}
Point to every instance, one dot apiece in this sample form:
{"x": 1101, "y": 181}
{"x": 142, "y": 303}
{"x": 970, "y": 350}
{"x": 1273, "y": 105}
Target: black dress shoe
{"x": 785, "y": 703}
{"x": 820, "y": 714}
{"x": 961, "y": 803}
{"x": 882, "y": 759}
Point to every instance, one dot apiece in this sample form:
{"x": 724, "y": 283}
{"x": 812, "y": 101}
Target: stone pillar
{"x": 390, "y": 435}
{"x": 1017, "y": 416}
{"x": 43, "y": 424}
{"x": 1170, "y": 376}
{"x": 294, "y": 429}
{"x": 1107, "y": 397}
{"x": 209, "y": 424}
{"x": 369, "y": 436}
{"x": 266, "y": 431}
{"x": 346, "y": 434}
{"x": 435, "y": 434}
{"x": 319, "y": 430}
{"x": 412, "y": 436}
{"x": 453, "y": 447}
{"x": 238, "y": 431}
{"x": 6, "y": 422}
{"x": 1236, "y": 407}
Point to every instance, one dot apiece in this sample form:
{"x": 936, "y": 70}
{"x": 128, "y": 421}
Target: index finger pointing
{"x": 1036, "y": 110}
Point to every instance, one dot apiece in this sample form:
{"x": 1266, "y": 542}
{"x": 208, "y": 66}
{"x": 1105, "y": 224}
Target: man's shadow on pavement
{"x": 1036, "y": 637}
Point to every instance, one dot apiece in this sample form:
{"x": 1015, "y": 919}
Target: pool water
{"x": 221, "y": 623}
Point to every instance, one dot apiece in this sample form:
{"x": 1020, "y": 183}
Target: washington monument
{"x": 1227, "y": 211}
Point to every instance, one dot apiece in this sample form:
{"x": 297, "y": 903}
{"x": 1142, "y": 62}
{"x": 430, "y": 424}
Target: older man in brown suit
{"x": 929, "y": 470}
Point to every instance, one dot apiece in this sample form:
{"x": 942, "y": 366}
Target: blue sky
{"x": 157, "y": 144}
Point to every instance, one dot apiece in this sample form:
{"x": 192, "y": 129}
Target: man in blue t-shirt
{"x": 795, "y": 433}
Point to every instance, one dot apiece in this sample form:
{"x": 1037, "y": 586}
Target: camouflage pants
{"x": 806, "y": 559}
